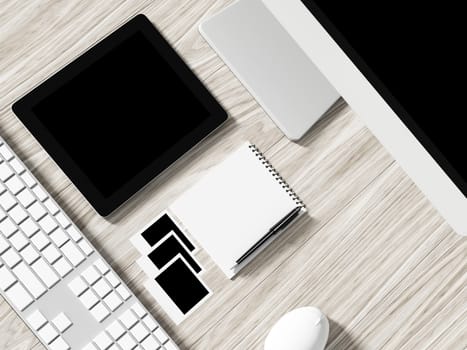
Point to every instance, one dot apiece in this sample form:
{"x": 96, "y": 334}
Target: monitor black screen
{"x": 414, "y": 54}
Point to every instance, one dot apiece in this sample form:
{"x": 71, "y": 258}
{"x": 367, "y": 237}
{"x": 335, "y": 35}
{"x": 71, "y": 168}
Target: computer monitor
{"x": 397, "y": 69}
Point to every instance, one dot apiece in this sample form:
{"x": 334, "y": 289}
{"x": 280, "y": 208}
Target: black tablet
{"x": 120, "y": 114}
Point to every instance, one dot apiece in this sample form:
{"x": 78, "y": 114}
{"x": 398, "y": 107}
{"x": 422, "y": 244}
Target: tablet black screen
{"x": 120, "y": 113}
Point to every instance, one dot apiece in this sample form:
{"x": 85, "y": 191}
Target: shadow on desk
{"x": 340, "y": 339}
{"x": 331, "y": 114}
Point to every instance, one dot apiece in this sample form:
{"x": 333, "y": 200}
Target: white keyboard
{"x": 54, "y": 278}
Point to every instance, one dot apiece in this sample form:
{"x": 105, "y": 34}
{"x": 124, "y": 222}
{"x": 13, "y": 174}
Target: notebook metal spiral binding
{"x": 277, "y": 176}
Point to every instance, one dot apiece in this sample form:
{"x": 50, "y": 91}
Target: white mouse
{"x": 306, "y": 328}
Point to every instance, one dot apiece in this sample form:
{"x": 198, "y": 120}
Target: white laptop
{"x": 297, "y": 56}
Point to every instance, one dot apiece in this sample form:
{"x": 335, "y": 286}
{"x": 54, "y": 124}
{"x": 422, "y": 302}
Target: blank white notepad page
{"x": 233, "y": 206}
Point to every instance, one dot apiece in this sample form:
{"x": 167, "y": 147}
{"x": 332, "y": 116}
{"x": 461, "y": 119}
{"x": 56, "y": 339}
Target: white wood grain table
{"x": 373, "y": 254}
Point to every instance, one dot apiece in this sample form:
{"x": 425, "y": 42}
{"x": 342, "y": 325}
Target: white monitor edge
{"x": 371, "y": 107}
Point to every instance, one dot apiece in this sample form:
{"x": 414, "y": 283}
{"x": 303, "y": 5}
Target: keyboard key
{"x": 18, "y": 214}
{"x": 7, "y": 201}
{"x": 103, "y": 341}
{"x": 29, "y": 280}
{"x": 18, "y": 240}
{"x": 123, "y": 292}
{"x": 45, "y": 272}
{"x": 29, "y": 227}
{"x": 29, "y": 254}
{"x": 26, "y": 198}
{"x": 85, "y": 247}
{"x": 62, "y": 220}
{"x": 7, "y": 227}
{"x": 6, "y": 278}
{"x": 77, "y": 286}
{"x": 100, "y": 312}
{"x": 4, "y": 245}
{"x": 59, "y": 344}
{"x": 62, "y": 322}
{"x": 14, "y": 184}
{"x": 113, "y": 301}
{"x": 72, "y": 253}
{"x": 126, "y": 342}
{"x": 36, "y": 320}
{"x": 37, "y": 211}
{"x": 150, "y": 323}
{"x": 90, "y": 275}
{"x": 139, "y": 332}
{"x": 89, "y": 299}
{"x": 150, "y": 343}
{"x": 139, "y": 310}
{"x": 89, "y": 347}
{"x": 63, "y": 267}
{"x": 40, "y": 240}
{"x": 28, "y": 179}
{"x": 74, "y": 234}
{"x": 102, "y": 288}
{"x": 116, "y": 330}
{"x": 51, "y": 207}
{"x": 48, "y": 333}
{"x": 160, "y": 335}
{"x": 51, "y": 254}
{"x": 11, "y": 258}
{"x": 19, "y": 297}
{"x": 59, "y": 237}
{"x": 112, "y": 278}
{"x": 115, "y": 347}
{"x": 101, "y": 266}
{"x": 128, "y": 319}
{"x": 5, "y": 152}
{"x": 2, "y": 188}
{"x": 5, "y": 171}
{"x": 16, "y": 165}
{"x": 48, "y": 224}
{"x": 40, "y": 193}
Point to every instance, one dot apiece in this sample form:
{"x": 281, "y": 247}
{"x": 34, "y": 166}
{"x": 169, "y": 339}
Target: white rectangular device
{"x": 271, "y": 65}
{"x": 421, "y": 133}
{"x": 56, "y": 281}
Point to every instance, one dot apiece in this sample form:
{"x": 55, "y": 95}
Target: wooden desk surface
{"x": 373, "y": 254}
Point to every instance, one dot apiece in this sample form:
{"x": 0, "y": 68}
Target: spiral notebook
{"x": 238, "y": 208}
